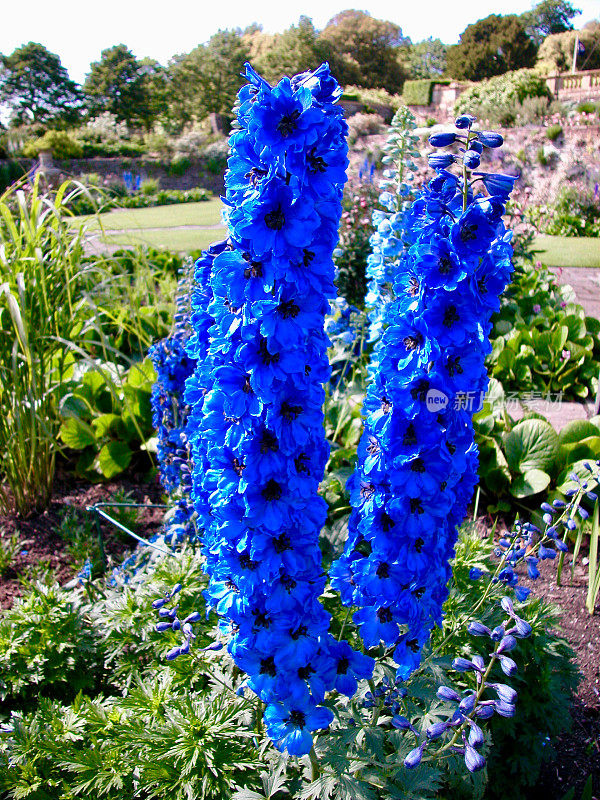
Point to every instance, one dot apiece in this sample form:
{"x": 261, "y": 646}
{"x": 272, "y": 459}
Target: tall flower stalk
{"x": 417, "y": 461}
{"x": 387, "y": 242}
{"x": 258, "y": 439}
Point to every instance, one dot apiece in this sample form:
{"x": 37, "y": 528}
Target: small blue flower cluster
{"x": 417, "y": 461}
{"x": 256, "y": 426}
{"x": 173, "y": 366}
{"x": 387, "y": 241}
{"x": 526, "y": 543}
{"x": 169, "y": 621}
{"x": 472, "y": 705}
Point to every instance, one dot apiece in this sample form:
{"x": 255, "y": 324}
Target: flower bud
{"x": 464, "y": 121}
{"x": 474, "y": 761}
{"x": 447, "y": 693}
{"x": 490, "y": 138}
{"x": 413, "y": 759}
{"x": 442, "y": 139}
{"x": 476, "y": 628}
{"x": 440, "y": 160}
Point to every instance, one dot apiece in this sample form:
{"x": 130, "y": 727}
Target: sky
{"x": 78, "y": 31}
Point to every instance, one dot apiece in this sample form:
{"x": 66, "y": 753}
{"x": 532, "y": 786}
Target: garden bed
{"x": 44, "y": 550}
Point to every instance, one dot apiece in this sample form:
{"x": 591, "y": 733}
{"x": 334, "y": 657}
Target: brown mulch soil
{"x": 43, "y": 548}
{"x": 578, "y": 749}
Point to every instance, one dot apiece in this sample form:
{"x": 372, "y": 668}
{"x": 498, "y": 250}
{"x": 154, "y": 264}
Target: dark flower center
{"x": 386, "y": 405}
{"x": 419, "y": 544}
{"x": 420, "y": 389}
{"x": 410, "y": 436}
{"x": 305, "y": 672}
{"x": 247, "y": 563}
{"x": 288, "y": 309}
{"x": 387, "y": 522}
{"x": 282, "y": 543}
{"x": 308, "y": 257}
{"x": 451, "y": 316}
{"x": 238, "y": 466}
{"x": 267, "y": 667}
{"x": 444, "y": 265}
{"x": 342, "y": 666}
{"x": 275, "y": 219}
{"x": 468, "y": 232}
{"x": 413, "y": 287}
{"x": 301, "y": 463}
{"x": 413, "y": 645}
{"x": 417, "y": 465}
{"x": 288, "y": 123}
{"x": 254, "y": 270}
{"x": 384, "y": 614}
{"x": 482, "y": 284}
{"x": 297, "y": 719}
{"x": 383, "y": 570}
{"x": 288, "y": 583}
{"x": 366, "y": 490}
{"x": 266, "y": 357}
{"x": 373, "y": 446}
{"x": 453, "y": 366}
{"x": 268, "y": 442}
{"x": 316, "y": 163}
{"x": 246, "y": 388}
{"x": 290, "y": 412}
{"x": 261, "y": 620}
{"x": 272, "y": 491}
{"x": 301, "y": 631}
{"x": 418, "y": 593}
{"x": 255, "y": 176}
{"x": 412, "y": 342}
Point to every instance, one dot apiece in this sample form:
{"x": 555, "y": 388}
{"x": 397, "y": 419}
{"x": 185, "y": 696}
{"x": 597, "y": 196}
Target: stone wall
{"x": 575, "y": 85}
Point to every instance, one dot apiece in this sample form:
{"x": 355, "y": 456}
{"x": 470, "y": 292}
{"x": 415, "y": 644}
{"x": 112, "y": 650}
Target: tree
{"x": 295, "y": 50}
{"x": 426, "y": 59}
{"x": 364, "y": 51}
{"x": 207, "y": 79}
{"x": 556, "y": 51}
{"x": 119, "y": 83}
{"x": 548, "y": 17}
{"x": 489, "y": 47}
{"x": 37, "y": 88}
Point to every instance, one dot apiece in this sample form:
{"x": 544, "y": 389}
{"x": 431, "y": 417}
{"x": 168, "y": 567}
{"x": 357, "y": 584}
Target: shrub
{"x": 364, "y": 125}
{"x": 60, "y": 144}
{"x": 553, "y": 132}
{"x": 588, "y": 107}
{"x": 149, "y": 186}
{"x": 419, "y": 92}
{"x": 503, "y": 91}
{"x": 179, "y": 165}
{"x": 356, "y": 228}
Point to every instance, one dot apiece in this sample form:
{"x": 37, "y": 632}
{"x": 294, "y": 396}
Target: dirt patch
{"x": 44, "y": 541}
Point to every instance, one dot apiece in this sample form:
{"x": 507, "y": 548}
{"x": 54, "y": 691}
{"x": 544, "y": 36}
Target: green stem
{"x": 315, "y": 769}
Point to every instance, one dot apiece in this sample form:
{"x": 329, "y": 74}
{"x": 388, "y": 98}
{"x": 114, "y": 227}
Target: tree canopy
{"x": 489, "y": 47}
{"x": 548, "y": 17}
{"x": 118, "y": 83}
{"x": 426, "y": 59}
{"x": 556, "y": 51}
{"x": 37, "y": 88}
{"x": 364, "y": 51}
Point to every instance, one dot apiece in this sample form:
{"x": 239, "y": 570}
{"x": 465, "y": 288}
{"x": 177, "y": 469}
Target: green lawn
{"x": 205, "y": 213}
{"x": 170, "y": 239}
{"x": 568, "y": 251}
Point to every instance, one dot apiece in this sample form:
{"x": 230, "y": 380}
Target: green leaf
{"x": 106, "y": 423}
{"x": 74, "y": 433}
{"x": 142, "y": 375}
{"x": 113, "y": 458}
{"x": 532, "y": 444}
{"x": 532, "y": 482}
{"x": 577, "y": 430}
{"x": 564, "y": 482}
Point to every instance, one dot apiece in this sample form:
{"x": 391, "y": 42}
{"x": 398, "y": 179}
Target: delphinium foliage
{"x": 173, "y": 366}
{"x": 387, "y": 246}
{"x": 417, "y": 462}
{"x": 258, "y": 440}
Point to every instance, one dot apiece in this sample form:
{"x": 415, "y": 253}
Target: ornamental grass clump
{"x": 258, "y": 440}
{"x": 417, "y": 461}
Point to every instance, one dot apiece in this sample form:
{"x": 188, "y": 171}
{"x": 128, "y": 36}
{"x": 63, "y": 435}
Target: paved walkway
{"x": 586, "y": 284}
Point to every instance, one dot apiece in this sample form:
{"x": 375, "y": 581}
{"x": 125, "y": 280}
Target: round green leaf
{"x": 532, "y": 482}
{"x": 577, "y": 430}
{"x": 113, "y": 458}
{"x": 532, "y": 444}
{"x": 76, "y": 434}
